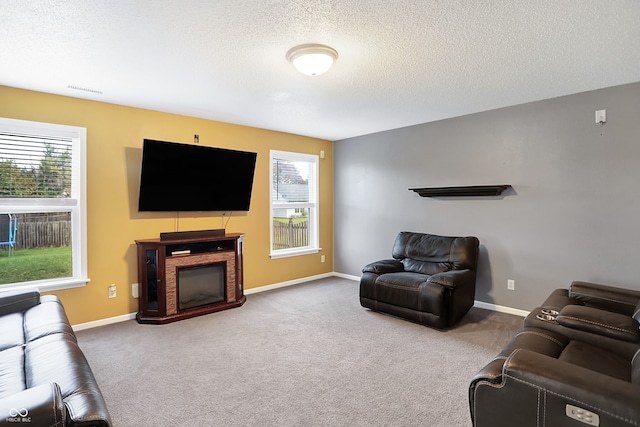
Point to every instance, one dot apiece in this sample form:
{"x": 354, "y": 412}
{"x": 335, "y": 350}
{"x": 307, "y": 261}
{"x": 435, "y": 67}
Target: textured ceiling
{"x": 401, "y": 62}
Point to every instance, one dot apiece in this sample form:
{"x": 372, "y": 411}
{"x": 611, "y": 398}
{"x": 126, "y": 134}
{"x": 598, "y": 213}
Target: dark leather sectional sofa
{"x": 576, "y": 362}
{"x": 45, "y": 379}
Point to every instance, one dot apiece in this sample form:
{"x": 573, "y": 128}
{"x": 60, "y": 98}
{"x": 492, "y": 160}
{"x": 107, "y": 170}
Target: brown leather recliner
{"x": 576, "y": 362}
{"x": 430, "y": 280}
{"x": 543, "y": 378}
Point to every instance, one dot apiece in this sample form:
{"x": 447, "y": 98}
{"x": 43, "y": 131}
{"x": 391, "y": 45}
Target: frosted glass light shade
{"x": 312, "y": 59}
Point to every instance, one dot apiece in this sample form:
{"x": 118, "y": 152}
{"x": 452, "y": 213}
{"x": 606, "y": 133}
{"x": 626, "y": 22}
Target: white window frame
{"x": 76, "y": 204}
{"x": 312, "y": 205}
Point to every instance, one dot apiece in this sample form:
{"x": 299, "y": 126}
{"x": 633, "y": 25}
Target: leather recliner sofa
{"x": 430, "y": 280}
{"x": 45, "y": 379}
{"x": 576, "y": 362}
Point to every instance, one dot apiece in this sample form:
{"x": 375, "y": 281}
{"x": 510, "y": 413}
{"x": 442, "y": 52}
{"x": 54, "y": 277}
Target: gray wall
{"x": 572, "y": 213}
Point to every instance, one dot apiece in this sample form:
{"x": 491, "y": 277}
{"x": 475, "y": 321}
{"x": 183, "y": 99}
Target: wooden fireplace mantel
{"x": 158, "y": 264}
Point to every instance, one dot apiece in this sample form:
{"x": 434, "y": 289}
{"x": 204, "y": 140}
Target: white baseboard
{"x": 500, "y": 308}
{"x": 103, "y": 322}
{"x": 287, "y": 283}
{"x": 347, "y": 276}
{"x": 131, "y": 316}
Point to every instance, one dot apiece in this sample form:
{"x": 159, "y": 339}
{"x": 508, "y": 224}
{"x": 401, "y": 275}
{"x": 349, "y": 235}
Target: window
{"x": 42, "y": 198}
{"x": 294, "y": 204}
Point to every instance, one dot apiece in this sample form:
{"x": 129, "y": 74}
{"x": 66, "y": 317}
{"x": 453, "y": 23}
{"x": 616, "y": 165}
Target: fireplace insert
{"x": 201, "y": 285}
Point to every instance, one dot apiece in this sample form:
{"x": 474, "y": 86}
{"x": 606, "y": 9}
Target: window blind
{"x": 36, "y": 166}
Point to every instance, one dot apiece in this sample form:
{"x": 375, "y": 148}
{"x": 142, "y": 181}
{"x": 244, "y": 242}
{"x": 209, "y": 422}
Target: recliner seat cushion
{"x": 11, "y": 371}
{"x": 596, "y": 359}
{"x": 410, "y": 290}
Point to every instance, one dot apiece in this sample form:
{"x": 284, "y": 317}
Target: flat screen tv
{"x": 183, "y": 177}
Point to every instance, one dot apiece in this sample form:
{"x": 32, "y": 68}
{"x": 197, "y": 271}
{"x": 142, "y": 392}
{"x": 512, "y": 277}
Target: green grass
{"x": 35, "y": 264}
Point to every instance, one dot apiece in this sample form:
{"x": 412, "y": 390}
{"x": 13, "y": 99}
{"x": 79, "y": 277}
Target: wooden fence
{"x": 290, "y": 235}
{"x": 43, "y": 230}
{"x": 34, "y": 232}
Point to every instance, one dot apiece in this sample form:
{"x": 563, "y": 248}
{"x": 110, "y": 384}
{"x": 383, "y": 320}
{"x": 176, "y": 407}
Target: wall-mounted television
{"x": 184, "y": 177}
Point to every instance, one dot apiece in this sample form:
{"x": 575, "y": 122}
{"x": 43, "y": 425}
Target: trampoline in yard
{"x": 8, "y": 230}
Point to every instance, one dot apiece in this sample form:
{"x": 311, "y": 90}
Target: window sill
{"x": 294, "y": 252}
{"x": 47, "y": 285}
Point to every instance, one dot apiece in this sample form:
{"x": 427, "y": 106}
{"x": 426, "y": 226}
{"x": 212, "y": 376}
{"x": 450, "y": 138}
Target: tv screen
{"x": 183, "y": 177}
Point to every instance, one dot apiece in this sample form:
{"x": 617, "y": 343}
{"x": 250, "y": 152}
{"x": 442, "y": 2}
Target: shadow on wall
{"x": 484, "y": 279}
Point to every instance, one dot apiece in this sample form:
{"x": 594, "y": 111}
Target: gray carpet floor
{"x": 305, "y": 355}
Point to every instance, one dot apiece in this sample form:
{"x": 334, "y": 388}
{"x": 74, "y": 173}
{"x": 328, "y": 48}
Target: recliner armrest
{"x": 605, "y": 396}
{"x": 15, "y": 301}
{"x": 601, "y": 322}
{"x": 453, "y": 278}
{"x": 40, "y": 406}
{"x": 607, "y": 297}
{"x": 384, "y": 266}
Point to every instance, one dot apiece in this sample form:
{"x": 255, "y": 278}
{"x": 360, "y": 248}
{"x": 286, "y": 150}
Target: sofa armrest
{"x": 454, "y": 278}
{"x": 40, "y": 406}
{"x": 564, "y": 382}
{"x": 384, "y": 266}
{"x": 15, "y": 301}
{"x": 601, "y": 322}
{"x": 604, "y": 296}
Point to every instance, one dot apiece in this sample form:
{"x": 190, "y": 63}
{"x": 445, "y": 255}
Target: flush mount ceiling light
{"x": 312, "y": 59}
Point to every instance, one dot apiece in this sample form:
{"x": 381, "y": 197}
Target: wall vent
{"x": 85, "y": 89}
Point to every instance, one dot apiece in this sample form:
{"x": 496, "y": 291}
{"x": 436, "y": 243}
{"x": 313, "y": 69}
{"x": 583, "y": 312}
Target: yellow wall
{"x": 114, "y": 151}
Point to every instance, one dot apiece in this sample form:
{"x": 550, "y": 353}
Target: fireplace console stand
{"x": 187, "y": 277}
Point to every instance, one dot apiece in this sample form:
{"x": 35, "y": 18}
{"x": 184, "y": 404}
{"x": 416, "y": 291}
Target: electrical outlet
{"x": 135, "y": 289}
{"x": 511, "y": 284}
{"x": 322, "y": 259}
{"x": 112, "y": 290}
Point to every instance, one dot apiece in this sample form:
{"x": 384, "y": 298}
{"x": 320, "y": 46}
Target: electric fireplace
{"x": 200, "y": 285}
{"x": 187, "y": 277}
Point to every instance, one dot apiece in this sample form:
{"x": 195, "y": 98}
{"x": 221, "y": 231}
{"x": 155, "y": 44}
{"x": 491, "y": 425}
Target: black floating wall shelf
{"x": 472, "y": 190}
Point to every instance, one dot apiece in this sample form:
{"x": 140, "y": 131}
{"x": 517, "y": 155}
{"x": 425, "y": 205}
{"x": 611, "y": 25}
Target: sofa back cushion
{"x": 431, "y": 254}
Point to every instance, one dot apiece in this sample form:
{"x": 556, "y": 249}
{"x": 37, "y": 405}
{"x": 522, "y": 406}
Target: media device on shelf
{"x": 194, "y": 234}
{"x": 184, "y": 177}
